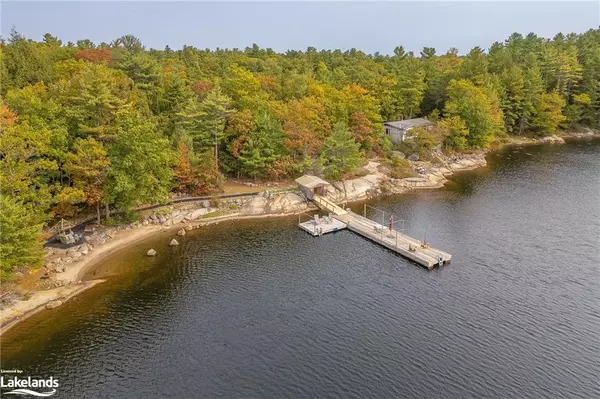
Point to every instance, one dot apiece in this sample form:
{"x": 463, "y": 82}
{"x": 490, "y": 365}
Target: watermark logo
{"x": 27, "y": 386}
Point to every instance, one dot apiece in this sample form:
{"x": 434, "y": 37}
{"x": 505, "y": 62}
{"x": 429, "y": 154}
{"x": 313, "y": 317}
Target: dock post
{"x": 396, "y": 238}
{"x": 365, "y": 210}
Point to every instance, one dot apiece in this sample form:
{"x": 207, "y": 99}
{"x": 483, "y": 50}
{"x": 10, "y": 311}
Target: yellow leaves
{"x": 71, "y": 195}
{"x": 23, "y": 143}
{"x": 549, "y": 117}
{"x": 316, "y": 90}
{"x": 355, "y": 89}
{"x": 70, "y": 67}
{"x": 86, "y": 163}
{"x": 582, "y": 99}
{"x": 66, "y": 199}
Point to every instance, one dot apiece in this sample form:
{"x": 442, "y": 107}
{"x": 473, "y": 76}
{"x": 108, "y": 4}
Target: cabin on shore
{"x": 398, "y": 130}
{"x": 311, "y": 185}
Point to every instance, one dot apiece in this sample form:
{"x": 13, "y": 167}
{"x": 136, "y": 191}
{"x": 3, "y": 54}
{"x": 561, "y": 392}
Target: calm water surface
{"x": 259, "y": 309}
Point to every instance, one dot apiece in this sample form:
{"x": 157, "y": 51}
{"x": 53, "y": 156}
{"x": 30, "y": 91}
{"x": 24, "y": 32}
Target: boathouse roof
{"x": 310, "y": 181}
{"x": 409, "y": 123}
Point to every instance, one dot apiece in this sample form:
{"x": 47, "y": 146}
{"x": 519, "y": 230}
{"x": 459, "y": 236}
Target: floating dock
{"x": 339, "y": 218}
{"x": 319, "y": 226}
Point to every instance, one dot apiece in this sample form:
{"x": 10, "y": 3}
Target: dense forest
{"x": 88, "y": 125}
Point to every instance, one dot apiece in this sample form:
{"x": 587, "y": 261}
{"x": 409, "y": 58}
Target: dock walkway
{"x": 402, "y": 244}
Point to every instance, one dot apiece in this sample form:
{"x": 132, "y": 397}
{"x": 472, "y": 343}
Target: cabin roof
{"x": 409, "y": 123}
{"x": 310, "y": 181}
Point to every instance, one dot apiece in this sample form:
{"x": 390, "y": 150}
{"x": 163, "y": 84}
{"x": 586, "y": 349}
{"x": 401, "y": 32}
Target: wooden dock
{"x": 319, "y": 226}
{"x": 402, "y": 244}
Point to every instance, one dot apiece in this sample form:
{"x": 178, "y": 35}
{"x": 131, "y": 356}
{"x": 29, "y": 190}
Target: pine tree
{"x": 262, "y": 147}
{"x": 513, "y": 84}
{"x": 478, "y": 108}
{"x": 533, "y": 89}
{"x": 340, "y": 153}
{"x": 19, "y": 232}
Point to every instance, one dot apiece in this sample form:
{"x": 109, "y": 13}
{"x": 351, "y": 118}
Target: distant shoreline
{"x": 21, "y": 310}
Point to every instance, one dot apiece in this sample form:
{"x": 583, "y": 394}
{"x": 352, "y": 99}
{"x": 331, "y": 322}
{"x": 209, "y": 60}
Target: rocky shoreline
{"x": 65, "y": 268}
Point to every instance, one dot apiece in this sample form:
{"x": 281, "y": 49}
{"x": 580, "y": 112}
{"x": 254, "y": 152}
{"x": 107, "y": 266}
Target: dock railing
{"x": 328, "y": 205}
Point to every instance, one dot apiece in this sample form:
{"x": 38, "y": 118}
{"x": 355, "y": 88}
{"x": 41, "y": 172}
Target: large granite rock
{"x": 195, "y": 214}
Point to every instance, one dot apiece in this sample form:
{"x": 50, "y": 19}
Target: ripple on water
{"x": 260, "y": 309}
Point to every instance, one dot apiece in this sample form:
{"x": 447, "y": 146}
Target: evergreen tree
{"x": 513, "y": 87}
{"x": 340, "y": 153}
{"x": 19, "y": 232}
{"x": 262, "y": 147}
{"x": 478, "y": 108}
{"x": 533, "y": 89}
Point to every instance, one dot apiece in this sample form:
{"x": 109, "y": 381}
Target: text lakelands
{"x": 28, "y": 382}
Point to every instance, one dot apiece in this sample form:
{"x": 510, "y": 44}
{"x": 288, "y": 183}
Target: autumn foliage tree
{"x": 116, "y": 124}
{"x": 94, "y": 55}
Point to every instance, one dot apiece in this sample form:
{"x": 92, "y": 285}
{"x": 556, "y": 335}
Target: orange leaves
{"x": 201, "y": 88}
{"x": 196, "y": 180}
{"x": 237, "y": 146}
{"x": 240, "y": 123}
{"x": 94, "y": 55}
{"x": 306, "y": 125}
{"x": 362, "y": 130}
{"x": 184, "y": 156}
{"x": 7, "y": 116}
{"x": 269, "y": 84}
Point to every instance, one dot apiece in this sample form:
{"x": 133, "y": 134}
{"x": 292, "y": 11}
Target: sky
{"x": 369, "y": 26}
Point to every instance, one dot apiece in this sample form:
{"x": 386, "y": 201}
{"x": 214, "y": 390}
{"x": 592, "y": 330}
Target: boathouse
{"x": 311, "y": 185}
{"x": 398, "y": 130}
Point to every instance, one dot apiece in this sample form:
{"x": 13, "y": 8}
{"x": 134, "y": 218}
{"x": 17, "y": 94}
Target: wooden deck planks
{"x": 393, "y": 240}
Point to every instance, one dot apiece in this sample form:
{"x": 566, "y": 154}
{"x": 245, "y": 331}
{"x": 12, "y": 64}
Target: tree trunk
{"x": 107, "y": 215}
{"x": 216, "y": 158}
{"x": 98, "y": 212}
{"x": 216, "y": 149}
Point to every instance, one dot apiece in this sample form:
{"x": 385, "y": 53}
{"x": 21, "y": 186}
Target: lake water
{"x": 260, "y": 309}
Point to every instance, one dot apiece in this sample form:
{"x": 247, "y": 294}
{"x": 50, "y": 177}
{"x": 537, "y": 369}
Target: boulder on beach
{"x": 73, "y": 253}
{"x": 174, "y": 242}
{"x": 151, "y": 252}
{"x": 53, "y": 304}
{"x": 554, "y": 139}
{"x": 181, "y": 232}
